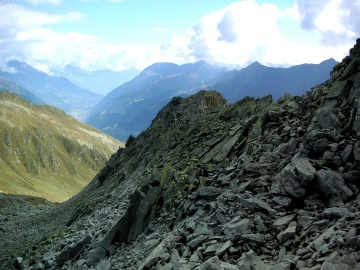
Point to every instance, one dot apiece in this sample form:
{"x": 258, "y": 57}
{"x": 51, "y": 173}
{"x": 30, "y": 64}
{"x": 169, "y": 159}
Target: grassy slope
{"x": 44, "y": 152}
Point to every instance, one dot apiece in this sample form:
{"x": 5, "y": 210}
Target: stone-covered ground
{"x": 256, "y": 185}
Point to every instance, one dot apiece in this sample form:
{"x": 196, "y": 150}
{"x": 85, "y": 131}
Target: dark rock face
{"x": 254, "y": 185}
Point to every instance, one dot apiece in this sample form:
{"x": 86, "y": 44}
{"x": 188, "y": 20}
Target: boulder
{"x": 293, "y": 178}
{"x": 208, "y": 193}
{"x": 332, "y": 184}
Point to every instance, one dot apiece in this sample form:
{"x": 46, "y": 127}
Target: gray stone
{"x": 335, "y": 266}
{"x": 332, "y": 184}
{"x": 195, "y": 257}
{"x": 215, "y": 264}
{"x": 197, "y": 241}
{"x": 208, "y": 193}
{"x": 282, "y": 200}
{"x": 136, "y": 217}
{"x": 165, "y": 257}
{"x": 200, "y": 231}
{"x": 321, "y": 239}
{"x": 250, "y": 260}
{"x": 292, "y": 179}
{"x": 326, "y": 119}
{"x": 103, "y": 265}
{"x": 211, "y": 250}
{"x": 256, "y": 238}
{"x": 356, "y": 149}
{"x": 283, "y": 221}
{"x": 256, "y": 204}
{"x": 49, "y": 255}
{"x": 321, "y": 145}
{"x": 174, "y": 255}
{"x": 157, "y": 252}
{"x": 211, "y": 264}
{"x": 346, "y": 152}
{"x": 289, "y": 233}
{"x": 240, "y": 227}
{"x": 259, "y": 224}
{"x": 168, "y": 266}
{"x": 224, "y": 248}
{"x": 95, "y": 255}
{"x": 70, "y": 252}
{"x": 335, "y": 212}
{"x": 356, "y": 123}
{"x": 351, "y": 176}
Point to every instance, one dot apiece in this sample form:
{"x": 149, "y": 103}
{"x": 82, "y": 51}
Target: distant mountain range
{"x": 98, "y": 81}
{"x": 45, "y": 152}
{"x": 129, "y": 108}
{"x": 6, "y": 84}
{"x": 55, "y": 91}
{"x": 257, "y": 80}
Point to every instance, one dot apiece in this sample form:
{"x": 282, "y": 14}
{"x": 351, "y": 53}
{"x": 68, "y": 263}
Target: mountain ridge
{"x": 129, "y": 109}
{"x": 55, "y": 91}
{"x": 6, "y": 84}
{"x": 98, "y": 81}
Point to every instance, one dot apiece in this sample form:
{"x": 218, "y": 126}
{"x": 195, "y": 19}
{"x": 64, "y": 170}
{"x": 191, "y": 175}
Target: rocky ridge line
{"x": 260, "y": 184}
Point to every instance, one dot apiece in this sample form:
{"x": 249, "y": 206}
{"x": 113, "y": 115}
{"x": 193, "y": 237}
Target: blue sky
{"x": 96, "y": 34}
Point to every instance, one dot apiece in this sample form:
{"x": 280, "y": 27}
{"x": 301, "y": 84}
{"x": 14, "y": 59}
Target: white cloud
{"x": 239, "y": 34}
{"x": 24, "y": 36}
{"x": 246, "y": 31}
{"x": 336, "y": 21}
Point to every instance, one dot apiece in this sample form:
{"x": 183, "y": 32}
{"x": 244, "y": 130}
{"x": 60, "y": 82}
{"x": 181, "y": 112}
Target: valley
{"x": 47, "y": 153}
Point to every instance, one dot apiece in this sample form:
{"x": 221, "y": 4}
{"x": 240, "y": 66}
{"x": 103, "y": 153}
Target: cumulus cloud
{"x": 335, "y": 20}
{"x": 238, "y": 34}
{"x": 24, "y": 33}
{"x": 247, "y": 31}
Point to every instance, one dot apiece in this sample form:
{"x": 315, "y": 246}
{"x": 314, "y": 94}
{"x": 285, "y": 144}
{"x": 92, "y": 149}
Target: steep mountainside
{"x": 6, "y": 84}
{"x": 44, "y": 152}
{"x": 129, "y": 109}
{"x": 97, "y": 81}
{"x": 257, "y": 80}
{"x": 55, "y": 91}
{"x": 259, "y": 184}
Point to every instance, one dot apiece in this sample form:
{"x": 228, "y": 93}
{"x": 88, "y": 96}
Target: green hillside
{"x": 45, "y": 152}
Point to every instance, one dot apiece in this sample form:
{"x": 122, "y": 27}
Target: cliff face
{"x": 254, "y": 185}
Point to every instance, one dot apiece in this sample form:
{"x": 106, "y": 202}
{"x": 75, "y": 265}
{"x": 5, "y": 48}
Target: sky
{"x": 124, "y": 34}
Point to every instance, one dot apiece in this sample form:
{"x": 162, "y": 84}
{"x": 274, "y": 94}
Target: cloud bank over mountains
{"x": 240, "y": 33}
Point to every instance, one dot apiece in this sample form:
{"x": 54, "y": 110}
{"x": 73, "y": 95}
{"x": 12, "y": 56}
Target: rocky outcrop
{"x": 259, "y": 184}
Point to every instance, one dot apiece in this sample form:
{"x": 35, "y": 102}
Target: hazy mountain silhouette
{"x": 6, "y": 84}
{"x": 129, "y": 109}
{"x": 98, "y": 81}
{"x": 257, "y": 80}
{"x": 55, "y": 91}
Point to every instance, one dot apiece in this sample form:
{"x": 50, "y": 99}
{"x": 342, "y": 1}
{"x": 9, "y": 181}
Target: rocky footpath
{"x": 256, "y": 185}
